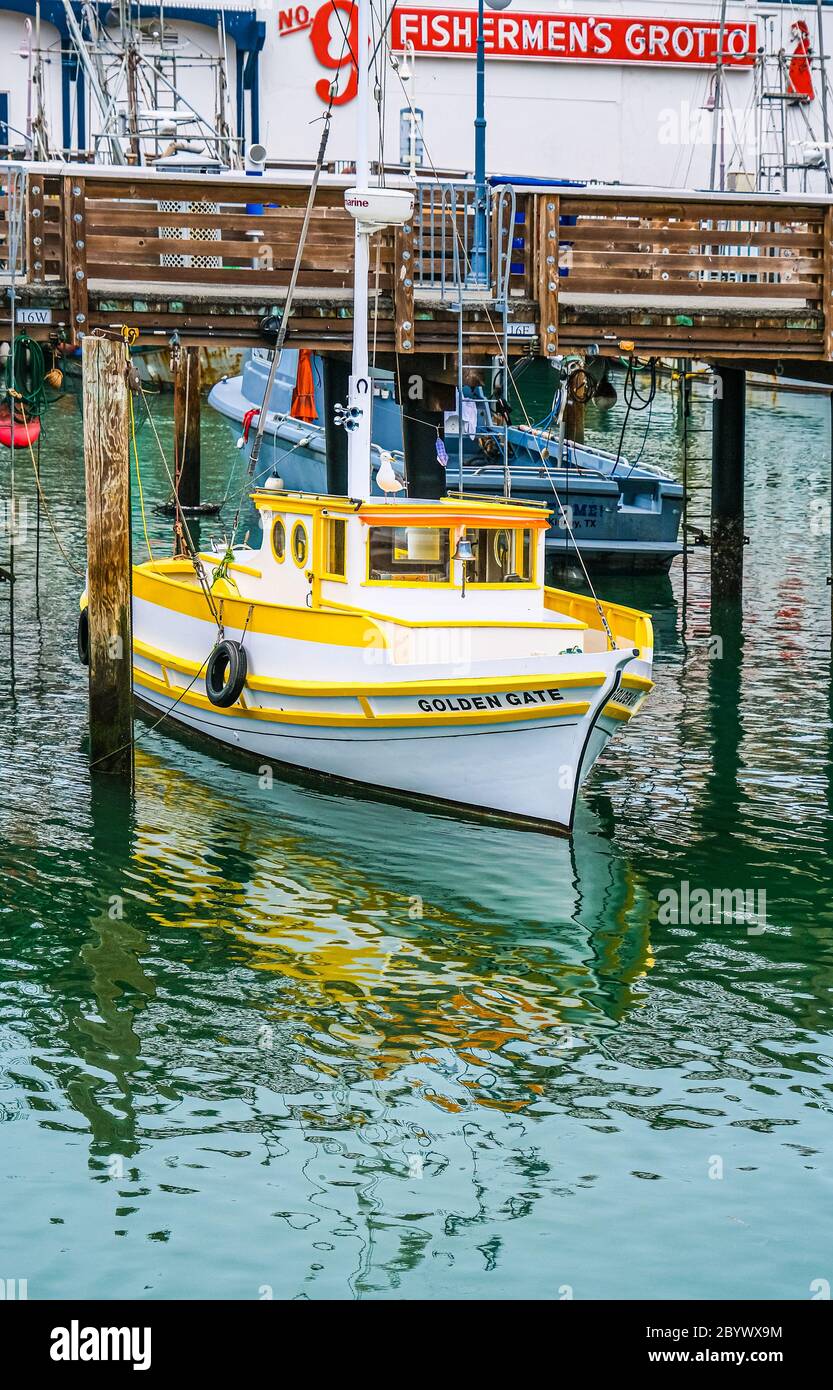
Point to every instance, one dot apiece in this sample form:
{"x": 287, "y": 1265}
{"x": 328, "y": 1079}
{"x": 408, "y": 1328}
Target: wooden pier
{"x": 740, "y": 281}
{"x": 708, "y": 276}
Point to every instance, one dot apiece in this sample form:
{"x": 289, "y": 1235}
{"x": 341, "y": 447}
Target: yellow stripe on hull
{"x": 574, "y": 709}
{"x": 378, "y": 689}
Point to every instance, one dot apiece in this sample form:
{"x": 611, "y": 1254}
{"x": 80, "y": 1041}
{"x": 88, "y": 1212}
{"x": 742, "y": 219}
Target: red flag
{"x": 800, "y": 77}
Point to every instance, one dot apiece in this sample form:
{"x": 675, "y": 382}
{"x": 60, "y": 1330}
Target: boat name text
{"x": 460, "y": 704}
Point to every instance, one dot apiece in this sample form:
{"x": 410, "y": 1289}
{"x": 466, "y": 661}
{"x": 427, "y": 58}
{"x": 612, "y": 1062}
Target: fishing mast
{"x": 717, "y": 109}
{"x": 360, "y": 398}
{"x": 136, "y": 83}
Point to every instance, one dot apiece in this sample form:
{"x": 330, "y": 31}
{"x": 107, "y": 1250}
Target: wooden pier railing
{"x": 688, "y": 274}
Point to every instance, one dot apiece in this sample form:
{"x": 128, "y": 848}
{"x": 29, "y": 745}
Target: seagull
{"x": 385, "y": 476}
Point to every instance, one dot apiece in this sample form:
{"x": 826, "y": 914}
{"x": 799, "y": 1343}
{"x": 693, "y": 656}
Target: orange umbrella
{"x": 303, "y": 397}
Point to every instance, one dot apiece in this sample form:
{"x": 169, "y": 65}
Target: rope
{"x": 79, "y": 573}
{"x": 130, "y": 335}
{"x": 139, "y": 474}
{"x": 199, "y": 568}
{"x": 221, "y": 570}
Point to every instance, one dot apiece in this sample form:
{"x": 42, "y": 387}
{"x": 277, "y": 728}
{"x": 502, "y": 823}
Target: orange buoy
{"x": 20, "y": 435}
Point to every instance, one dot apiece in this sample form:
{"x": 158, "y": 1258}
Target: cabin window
{"x": 409, "y": 555}
{"x": 335, "y": 547}
{"x": 278, "y": 539}
{"x": 524, "y": 557}
{"x": 500, "y": 557}
{"x": 300, "y": 544}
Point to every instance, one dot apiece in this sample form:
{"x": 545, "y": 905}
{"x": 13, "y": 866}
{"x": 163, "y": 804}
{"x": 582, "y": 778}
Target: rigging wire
{"x": 564, "y": 519}
{"x": 277, "y": 351}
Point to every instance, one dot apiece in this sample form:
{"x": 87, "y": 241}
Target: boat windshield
{"x": 412, "y": 554}
{"x": 502, "y": 556}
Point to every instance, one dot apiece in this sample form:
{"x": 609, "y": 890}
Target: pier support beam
{"x": 186, "y": 364}
{"x": 426, "y": 477}
{"x": 336, "y": 388}
{"x": 728, "y": 448}
{"x": 574, "y": 421}
{"x": 423, "y": 415}
{"x": 107, "y": 466}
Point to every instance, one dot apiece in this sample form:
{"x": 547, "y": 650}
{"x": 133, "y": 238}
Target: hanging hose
{"x": 635, "y": 400}
{"x": 24, "y": 375}
{"x": 581, "y": 388}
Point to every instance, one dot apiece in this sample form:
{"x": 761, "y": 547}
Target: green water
{"x": 267, "y": 1039}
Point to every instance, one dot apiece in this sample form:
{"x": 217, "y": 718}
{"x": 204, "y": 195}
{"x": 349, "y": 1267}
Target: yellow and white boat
{"x": 352, "y": 647}
{"x": 410, "y": 646}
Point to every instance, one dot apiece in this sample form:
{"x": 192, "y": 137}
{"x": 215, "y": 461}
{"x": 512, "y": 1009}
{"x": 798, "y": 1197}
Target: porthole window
{"x": 279, "y": 539}
{"x": 299, "y": 544}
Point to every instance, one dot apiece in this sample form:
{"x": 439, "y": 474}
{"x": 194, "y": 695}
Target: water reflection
{"x": 259, "y": 1037}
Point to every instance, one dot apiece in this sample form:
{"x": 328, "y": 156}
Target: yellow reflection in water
{"x": 410, "y": 938}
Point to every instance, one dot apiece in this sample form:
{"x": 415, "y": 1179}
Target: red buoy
{"x": 20, "y": 434}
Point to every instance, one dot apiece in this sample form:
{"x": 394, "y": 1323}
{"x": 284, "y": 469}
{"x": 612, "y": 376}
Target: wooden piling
{"x": 187, "y": 425}
{"x": 728, "y": 448}
{"x": 107, "y": 469}
{"x": 574, "y": 421}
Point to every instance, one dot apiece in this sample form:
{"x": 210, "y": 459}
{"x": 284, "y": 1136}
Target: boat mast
{"x": 27, "y": 25}
{"x": 41, "y": 132}
{"x": 825, "y": 120}
{"x": 717, "y": 110}
{"x": 361, "y": 394}
{"x": 91, "y": 61}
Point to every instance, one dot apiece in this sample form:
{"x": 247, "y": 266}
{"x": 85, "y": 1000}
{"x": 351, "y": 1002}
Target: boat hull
{"x": 509, "y": 737}
{"x": 528, "y": 774}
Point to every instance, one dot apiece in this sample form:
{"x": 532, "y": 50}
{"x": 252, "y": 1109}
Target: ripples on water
{"x": 260, "y": 1039}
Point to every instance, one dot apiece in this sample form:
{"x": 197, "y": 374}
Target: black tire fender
{"x": 225, "y": 673}
{"x": 82, "y": 636}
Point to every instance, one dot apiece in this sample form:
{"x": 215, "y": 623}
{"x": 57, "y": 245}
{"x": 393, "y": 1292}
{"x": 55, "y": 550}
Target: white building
{"x": 614, "y": 90}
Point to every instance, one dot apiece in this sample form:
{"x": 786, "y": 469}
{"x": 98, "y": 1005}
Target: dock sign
{"x": 40, "y": 316}
{"x": 575, "y": 38}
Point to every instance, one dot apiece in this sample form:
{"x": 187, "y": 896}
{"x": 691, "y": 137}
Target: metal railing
{"x": 12, "y": 226}
{"x": 444, "y": 237}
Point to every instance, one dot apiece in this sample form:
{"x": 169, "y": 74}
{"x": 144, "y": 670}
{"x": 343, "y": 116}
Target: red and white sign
{"x": 452, "y": 33}
{"x": 574, "y": 38}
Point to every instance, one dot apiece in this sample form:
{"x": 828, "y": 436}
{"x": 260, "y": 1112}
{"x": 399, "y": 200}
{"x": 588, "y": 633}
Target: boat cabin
{"x": 395, "y": 554}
